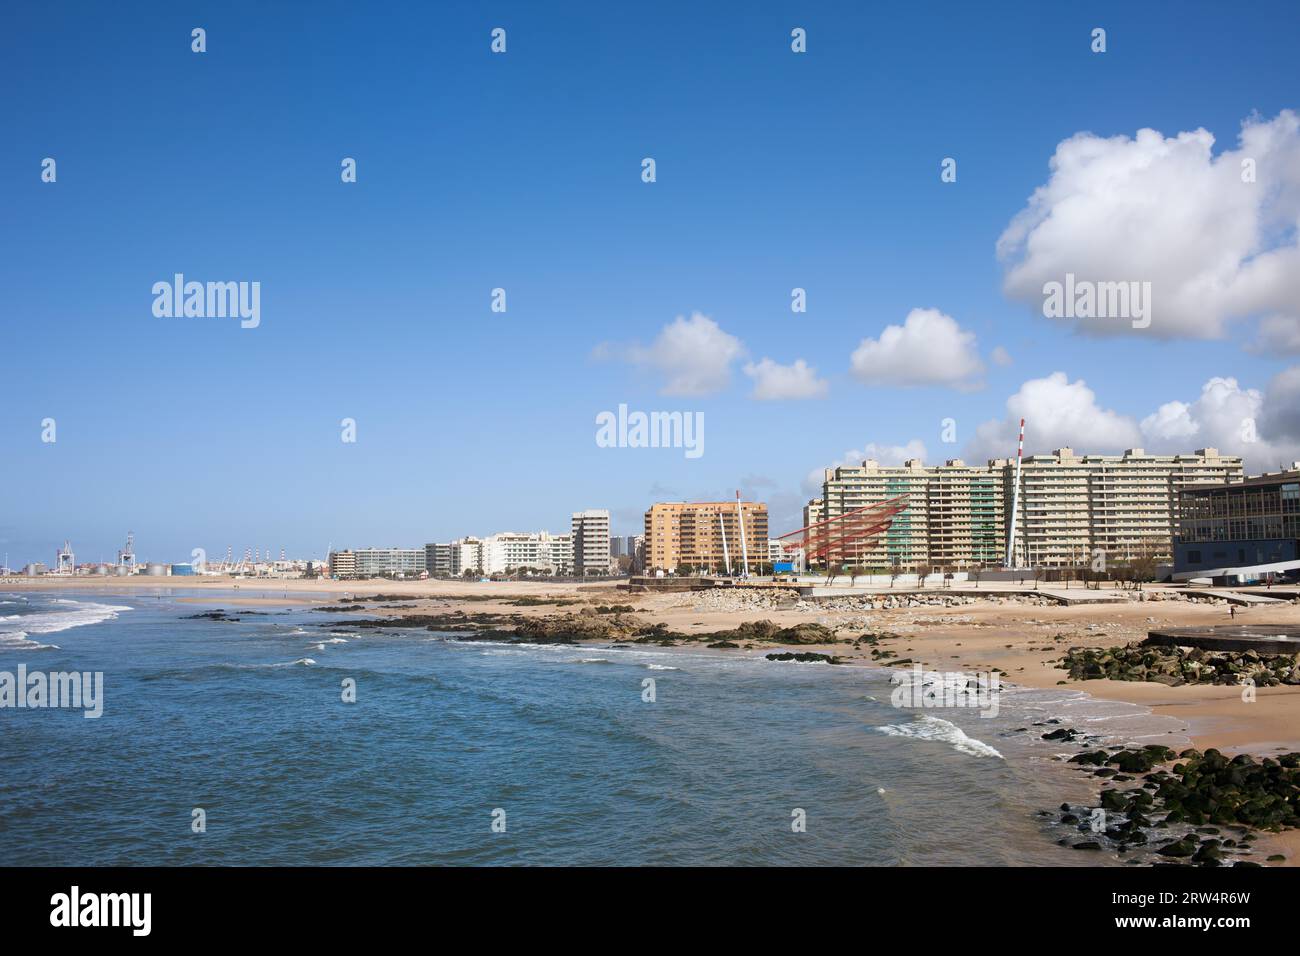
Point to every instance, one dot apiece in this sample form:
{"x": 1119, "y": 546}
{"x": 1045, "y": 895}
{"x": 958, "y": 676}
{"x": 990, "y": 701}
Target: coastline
{"x": 1021, "y": 639}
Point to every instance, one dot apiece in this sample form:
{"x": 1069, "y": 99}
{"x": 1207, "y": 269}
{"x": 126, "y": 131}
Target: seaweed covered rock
{"x": 1209, "y": 789}
{"x": 806, "y": 657}
{"x": 1175, "y": 666}
{"x": 804, "y": 634}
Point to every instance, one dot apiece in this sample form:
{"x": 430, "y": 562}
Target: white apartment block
{"x": 373, "y": 562}
{"x": 591, "y": 542}
{"x": 540, "y": 551}
{"x": 562, "y": 553}
{"x": 501, "y": 553}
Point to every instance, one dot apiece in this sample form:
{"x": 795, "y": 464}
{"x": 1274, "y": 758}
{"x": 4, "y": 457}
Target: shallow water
{"x": 245, "y": 720}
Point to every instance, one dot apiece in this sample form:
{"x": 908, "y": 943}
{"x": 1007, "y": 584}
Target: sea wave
{"x": 926, "y": 727}
{"x": 19, "y": 641}
{"x": 15, "y": 634}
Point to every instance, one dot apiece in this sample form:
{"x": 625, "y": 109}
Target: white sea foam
{"x": 15, "y": 628}
{"x": 926, "y": 727}
{"x": 661, "y": 667}
{"x": 19, "y": 641}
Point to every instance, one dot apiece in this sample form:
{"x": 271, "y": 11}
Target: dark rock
{"x": 806, "y": 657}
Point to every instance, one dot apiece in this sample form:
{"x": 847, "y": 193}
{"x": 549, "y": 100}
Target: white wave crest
{"x": 15, "y": 628}
{"x": 926, "y": 727}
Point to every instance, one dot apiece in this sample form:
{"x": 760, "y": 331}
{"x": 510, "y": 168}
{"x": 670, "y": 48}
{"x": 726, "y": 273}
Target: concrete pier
{"x": 1262, "y": 638}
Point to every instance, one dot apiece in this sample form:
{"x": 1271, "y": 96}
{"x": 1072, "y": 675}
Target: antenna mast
{"x": 1015, "y": 501}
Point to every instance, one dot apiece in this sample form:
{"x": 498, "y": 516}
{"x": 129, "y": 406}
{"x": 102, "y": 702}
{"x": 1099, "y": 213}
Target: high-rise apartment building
{"x": 688, "y": 536}
{"x": 1074, "y": 508}
{"x": 591, "y": 542}
{"x": 1071, "y": 507}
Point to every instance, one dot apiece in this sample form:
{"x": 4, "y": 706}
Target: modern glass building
{"x": 1240, "y": 525}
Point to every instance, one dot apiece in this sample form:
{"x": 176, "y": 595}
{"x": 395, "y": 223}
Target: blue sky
{"x": 774, "y": 170}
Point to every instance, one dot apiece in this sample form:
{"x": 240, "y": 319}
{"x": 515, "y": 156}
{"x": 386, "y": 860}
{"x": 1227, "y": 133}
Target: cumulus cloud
{"x": 1166, "y": 210}
{"x": 773, "y": 381}
{"x": 883, "y": 453}
{"x": 1225, "y": 416}
{"x": 929, "y": 348}
{"x": 693, "y": 355}
{"x": 1263, "y": 427}
{"x": 1060, "y": 413}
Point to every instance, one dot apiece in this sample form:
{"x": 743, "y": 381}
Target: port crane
{"x": 126, "y": 555}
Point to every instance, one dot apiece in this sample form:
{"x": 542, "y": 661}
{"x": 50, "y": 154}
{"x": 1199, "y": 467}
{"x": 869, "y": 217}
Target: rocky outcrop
{"x": 1183, "y": 812}
{"x": 580, "y": 626}
{"x": 1175, "y": 666}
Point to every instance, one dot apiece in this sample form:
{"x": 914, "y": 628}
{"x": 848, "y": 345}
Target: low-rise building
{"x": 1249, "y": 528}
{"x": 380, "y": 562}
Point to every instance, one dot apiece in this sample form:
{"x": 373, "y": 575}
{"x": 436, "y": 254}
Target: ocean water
{"x": 246, "y": 721}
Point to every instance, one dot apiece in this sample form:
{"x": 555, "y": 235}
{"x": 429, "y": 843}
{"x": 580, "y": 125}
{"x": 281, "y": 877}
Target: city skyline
{"x": 376, "y": 296}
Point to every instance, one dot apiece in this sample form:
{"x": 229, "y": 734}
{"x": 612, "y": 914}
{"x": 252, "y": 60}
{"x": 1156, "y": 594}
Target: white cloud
{"x": 773, "y": 381}
{"x": 1058, "y": 413}
{"x": 1224, "y": 417}
{"x": 1262, "y": 427}
{"x": 929, "y": 348}
{"x": 1001, "y": 356}
{"x": 1171, "y": 422}
{"x": 693, "y": 355}
{"x": 885, "y": 454}
{"x": 1277, "y": 334}
{"x": 1167, "y": 211}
